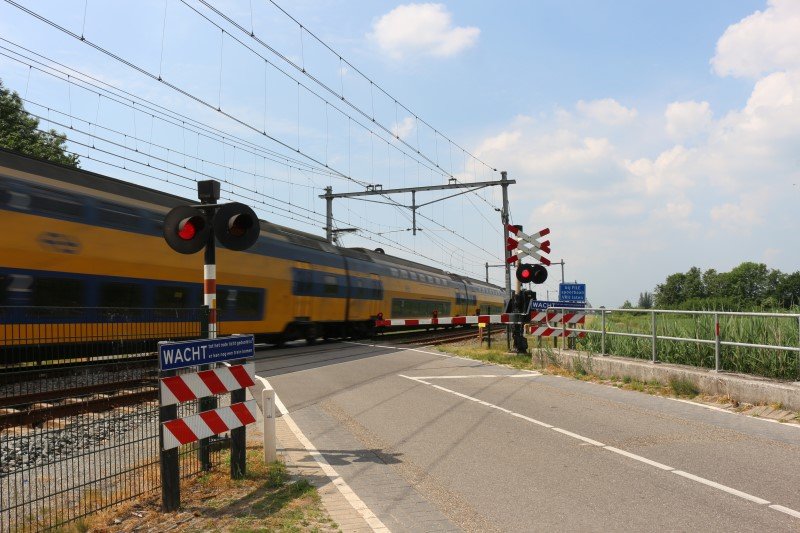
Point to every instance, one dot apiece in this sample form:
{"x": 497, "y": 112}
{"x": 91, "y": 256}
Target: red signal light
{"x": 187, "y": 230}
{"x": 526, "y": 273}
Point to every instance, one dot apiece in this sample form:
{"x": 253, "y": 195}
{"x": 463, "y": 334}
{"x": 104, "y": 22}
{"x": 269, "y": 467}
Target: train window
{"x": 413, "y": 276}
{"x": 303, "y": 282}
{"x": 358, "y": 290}
{"x": 404, "y": 274}
{"x": 330, "y": 285}
{"x": 168, "y": 296}
{"x": 57, "y": 292}
{"x": 395, "y": 272}
{"x": 248, "y": 304}
{"x": 118, "y": 294}
{"x": 118, "y": 216}
{"x": 57, "y": 204}
{"x": 376, "y": 290}
{"x": 5, "y": 281}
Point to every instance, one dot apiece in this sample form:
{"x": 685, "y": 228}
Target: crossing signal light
{"x": 186, "y": 229}
{"x": 236, "y": 226}
{"x": 531, "y": 274}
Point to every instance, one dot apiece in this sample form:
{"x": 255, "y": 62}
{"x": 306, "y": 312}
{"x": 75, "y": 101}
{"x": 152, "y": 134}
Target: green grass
{"x": 780, "y": 364}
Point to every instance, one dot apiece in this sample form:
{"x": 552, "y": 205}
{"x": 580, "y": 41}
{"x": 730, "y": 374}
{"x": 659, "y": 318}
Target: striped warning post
{"x": 545, "y": 331}
{"x": 506, "y": 318}
{"x": 203, "y": 425}
{"x": 565, "y": 318}
{"x": 187, "y": 387}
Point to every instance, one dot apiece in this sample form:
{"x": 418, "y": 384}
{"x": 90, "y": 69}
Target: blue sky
{"x": 649, "y": 136}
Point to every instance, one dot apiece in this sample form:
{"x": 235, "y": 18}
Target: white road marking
{"x": 639, "y": 458}
{"x": 687, "y": 475}
{"x": 786, "y": 510}
{"x": 352, "y": 498}
{"x": 721, "y": 487}
{"x": 468, "y": 376}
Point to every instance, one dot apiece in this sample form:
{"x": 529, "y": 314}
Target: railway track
{"x": 39, "y": 403}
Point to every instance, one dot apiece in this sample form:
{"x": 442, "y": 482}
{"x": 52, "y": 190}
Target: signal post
{"x": 187, "y": 230}
{"x": 526, "y": 273}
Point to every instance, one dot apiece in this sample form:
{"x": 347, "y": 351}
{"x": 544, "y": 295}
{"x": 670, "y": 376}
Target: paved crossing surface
{"x": 436, "y": 443}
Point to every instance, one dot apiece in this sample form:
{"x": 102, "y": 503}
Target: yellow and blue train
{"x": 72, "y": 240}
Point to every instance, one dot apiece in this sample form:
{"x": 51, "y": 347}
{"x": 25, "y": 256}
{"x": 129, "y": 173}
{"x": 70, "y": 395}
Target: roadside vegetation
{"x": 778, "y": 364}
{"x": 267, "y": 499}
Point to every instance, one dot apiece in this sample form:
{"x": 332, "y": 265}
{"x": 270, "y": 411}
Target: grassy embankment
{"x": 545, "y": 359}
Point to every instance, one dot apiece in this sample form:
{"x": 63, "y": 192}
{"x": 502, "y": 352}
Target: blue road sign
{"x": 542, "y": 305}
{"x": 572, "y": 292}
{"x": 174, "y": 355}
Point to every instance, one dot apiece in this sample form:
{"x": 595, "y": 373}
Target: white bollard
{"x": 268, "y": 410}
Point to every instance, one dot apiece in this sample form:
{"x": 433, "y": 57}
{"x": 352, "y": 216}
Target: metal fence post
{"x": 655, "y": 355}
{"x": 238, "y": 436}
{"x": 717, "y": 363}
{"x": 798, "y": 344}
{"x": 170, "y": 473}
{"x": 603, "y": 334}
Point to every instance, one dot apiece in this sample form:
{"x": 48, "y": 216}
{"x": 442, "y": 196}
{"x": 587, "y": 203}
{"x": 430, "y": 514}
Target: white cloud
{"x": 404, "y": 128}
{"x": 421, "y": 29}
{"x": 736, "y": 217}
{"x": 606, "y": 111}
{"x": 764, "y": 42}
{"x": 687, "y": 119}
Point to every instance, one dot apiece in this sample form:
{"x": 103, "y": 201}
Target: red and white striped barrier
{"x": 506, "y": 318}
{"x": 544, "y": 331}
{"x": 188, "y": 387}
{"x": 565, "y": 318}
{"x": 203, "y": 425}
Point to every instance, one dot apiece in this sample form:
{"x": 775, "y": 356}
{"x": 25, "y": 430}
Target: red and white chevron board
{"x": 544, "y": 331}
{"x": 203, "y": 425}
{"x": 188, "y": 387}
{"x": 506, "y": 318}
{"x": 520, "y": 253}
{"x": 568, "y": 318}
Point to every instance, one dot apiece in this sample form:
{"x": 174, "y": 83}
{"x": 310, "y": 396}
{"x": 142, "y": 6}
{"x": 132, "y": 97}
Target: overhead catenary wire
{"x": 182, "y": 121}
{"x": 137, "y": 138}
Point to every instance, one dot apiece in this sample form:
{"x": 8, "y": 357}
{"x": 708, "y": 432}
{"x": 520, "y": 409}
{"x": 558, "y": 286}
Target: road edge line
{"x": 352, "y": 498}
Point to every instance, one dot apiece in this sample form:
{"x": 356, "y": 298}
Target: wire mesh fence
{"x": 79, "y": 409}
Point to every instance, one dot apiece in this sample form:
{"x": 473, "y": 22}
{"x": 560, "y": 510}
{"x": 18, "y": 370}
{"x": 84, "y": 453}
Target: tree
{"x": 645, "y": 300}
{"x": 670, "y": 293}
{"x": 627, "y": 305}
{"x": 19, "y": 132}
{"x": 749, "y": 283}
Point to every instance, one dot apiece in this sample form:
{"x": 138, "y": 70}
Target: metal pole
{"x": 603, "y": 334}
{"x": 717, "y": 363}
{"x": 487, "y": 272}
{"x": 414, "y": 212}
{"x": 238, "y": 436}
{"x": 170, "y": 473}
{"x": 329, "y": 214}
{"x": 504, "y": 218}
{"x": 655, "y": 356}
{"x": 506, "y": 253}
{"x": 562, "y": 271}
{"x": 208, "y": 195}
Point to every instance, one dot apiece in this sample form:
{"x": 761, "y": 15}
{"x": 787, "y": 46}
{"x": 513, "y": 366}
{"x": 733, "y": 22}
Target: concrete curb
{"x": 742, "y": 388}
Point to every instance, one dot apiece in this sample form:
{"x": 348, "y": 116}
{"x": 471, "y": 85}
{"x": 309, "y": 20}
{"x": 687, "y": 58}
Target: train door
{"x": 377, "y": 297}
{"x": 302, "y": 287}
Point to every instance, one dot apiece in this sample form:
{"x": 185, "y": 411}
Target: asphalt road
{"x": 431, "y": 442}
